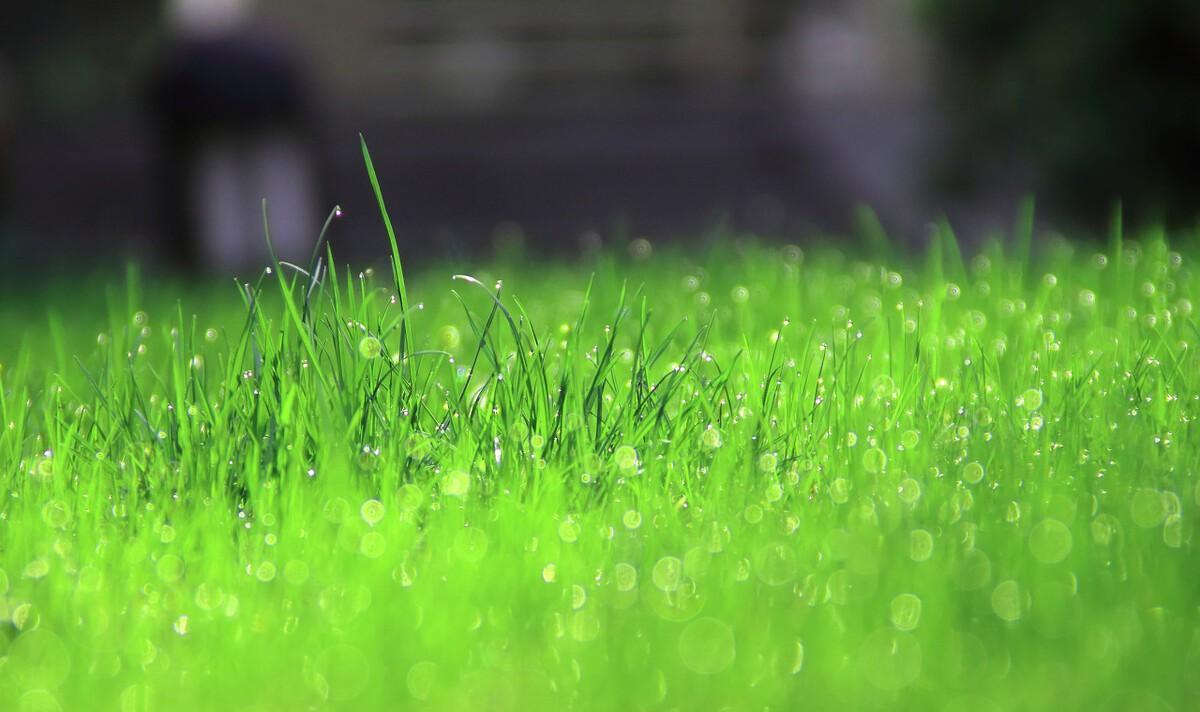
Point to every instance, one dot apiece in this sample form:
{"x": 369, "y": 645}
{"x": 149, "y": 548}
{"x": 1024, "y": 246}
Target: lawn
{"x": 737, "y": 476}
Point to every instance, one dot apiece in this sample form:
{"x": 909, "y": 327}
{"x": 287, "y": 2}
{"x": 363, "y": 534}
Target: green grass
{"x": 737, "y": 477}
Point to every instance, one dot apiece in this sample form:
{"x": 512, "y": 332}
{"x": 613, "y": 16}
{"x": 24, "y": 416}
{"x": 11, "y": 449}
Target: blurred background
{"x": 153, "y": 128}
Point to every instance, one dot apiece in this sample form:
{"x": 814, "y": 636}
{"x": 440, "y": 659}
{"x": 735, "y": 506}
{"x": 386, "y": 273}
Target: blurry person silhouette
{"x": 233, "y": 121}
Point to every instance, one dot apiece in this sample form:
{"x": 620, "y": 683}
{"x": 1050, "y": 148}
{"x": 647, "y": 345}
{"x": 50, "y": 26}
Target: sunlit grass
{"x": 739, "y": 477}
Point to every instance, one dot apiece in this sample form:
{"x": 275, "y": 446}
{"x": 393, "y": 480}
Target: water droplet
{"x": 1146, "y": 508}
{"x": 839, "y": 491}
{"x": 421, "y": 679}
{"x": 768, "y": 462}
{"x": 667, "y": 573}
{"x": 920, "y": 545}
{"x": 707, "y": 646}
{"x": 1050, "y": 541}
{"x": 372, "y": 511}
{"x": 37, "y": 659}
{"x": 974, "y": 570}
{"x": 874, "y": 461}
{"x": 370, "y": 347}
{"x": 906, "y": 611}
{"x": 568, "y": 531}
{"x": 265, "y": 572}
{"x": 1007, "y": 601}
{"x": 776, "y": 563}
{"x": 169, "y": 568}
{"x": 372, "y": 545}
{"x": 626, "y": 459}
{"x": 908, "y": 491}
{"x": 625, "y": 577}
{"x": 973, "y": 473}
{"x": 456, "y": 483}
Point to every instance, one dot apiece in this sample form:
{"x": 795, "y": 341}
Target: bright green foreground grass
{"x": 749, "y": 479}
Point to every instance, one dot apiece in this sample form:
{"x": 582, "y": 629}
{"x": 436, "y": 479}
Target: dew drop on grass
{"x": 920, "y": 545}
{"x": 974, "y": 570}
{"x": 626, "y": 459}
{"x": 667, "y": 574}
{"x": 839, "y": 491}
{"x": 1146, "y": 508}
{"x": 44, "y": 470}
{"x": 169, "y": 568}
{"x": 776, "y": 563}
{"x": 584, "y": 625}
{"x": 336, "y": 510}
{"x": 578, "y": 596}
{"x": 265, "y": 572}
{"x": 37, "y": 659}
{"x": 1104, "y": 526}
{"x": 768, "y": 462}
{"x": 883, "y": 386}
{"x": 39, "y": 701}
{"x": 409, "y": 498}
{"x": 568, "y": 531}
{"x": 632, "y": 519}
{"x": 973, "y": 473}
{"x": 874, "y": 461}
{"x": 372, "y": 545}
{"x": 640, "y": 249}
{"x": 1007, "y": 601}
{"x": 36, "y": 569}
{"x": 1050, "y": 541}
{"x": 456, "y": 483}
{"x": 372, "y": 512}
{"x": 906, "y": 611}
{"x": 625, "y": 577}
{"x": 696, "y": 562}
{"x": 1031, "y": 399}
{"x": 370, "y": 348}
{"x": 707, "y": 646}
{"x": 910, "y": 439}
{"x": 549, "y": 573}
{"x": 1173, "y": 531}
{"x": 56, "y": 514}
{"x": 421, "y": 679}
{"x": 908, "y": 491}
{"x": 753, "y": 514}
{"x": 711, "y": 438}
{"x": 449, "y": 338}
